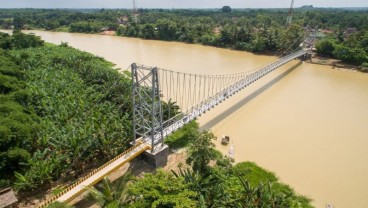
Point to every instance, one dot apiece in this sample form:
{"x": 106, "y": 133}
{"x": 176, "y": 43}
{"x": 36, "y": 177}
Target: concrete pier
{"x": 158, "y": 158}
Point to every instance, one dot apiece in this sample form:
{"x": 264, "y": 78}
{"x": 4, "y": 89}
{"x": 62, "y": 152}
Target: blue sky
{"x": 177, "y": 3}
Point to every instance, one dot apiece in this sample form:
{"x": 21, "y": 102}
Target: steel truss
{"x": 147, "y": 110}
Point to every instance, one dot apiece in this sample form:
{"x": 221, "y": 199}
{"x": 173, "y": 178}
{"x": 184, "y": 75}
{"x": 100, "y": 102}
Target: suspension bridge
{"x": 163, "y": 102}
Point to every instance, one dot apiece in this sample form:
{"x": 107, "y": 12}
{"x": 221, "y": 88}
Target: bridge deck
{"x": 92, "y": 178}
{"x": 224, "y": 94}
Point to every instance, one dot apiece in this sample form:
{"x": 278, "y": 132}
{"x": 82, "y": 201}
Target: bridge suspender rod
{"x": 183, "y": 95}
{"x": 189, "y": 91}
{"x": 195, "y": 90}
{"x": 177, "y": 87}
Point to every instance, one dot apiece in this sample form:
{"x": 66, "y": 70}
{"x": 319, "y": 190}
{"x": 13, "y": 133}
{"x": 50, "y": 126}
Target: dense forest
{"x": 64, "y": 111}
{"x": 255, "y": 30}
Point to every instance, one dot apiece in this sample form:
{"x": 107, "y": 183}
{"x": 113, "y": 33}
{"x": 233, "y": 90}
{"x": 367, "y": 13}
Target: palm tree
{"x": 112, "y": 194}
{"x": 169, "y": 109}
{"x": 260, "y": 196}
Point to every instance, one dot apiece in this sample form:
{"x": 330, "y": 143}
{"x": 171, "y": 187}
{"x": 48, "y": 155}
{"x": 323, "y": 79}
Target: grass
{"x": 182, "y": 138}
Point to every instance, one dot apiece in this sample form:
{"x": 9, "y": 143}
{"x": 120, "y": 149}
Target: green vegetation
{"x": 19, "y": 125}
{"x": 201, "y": 152}
{"x": 19, "y": 41}
{"x": 183, "y": 137}
{"x": 256, "y": 30}
{"x": 112, "y": 194}
{"x": 59, "y": 205}
{"x": 211, "y": 181}
{"x": 352, "y": 49}
{"x": 241, "y": 30}
{"x": 162, "y": 190}
{"x": 63, "y": 111}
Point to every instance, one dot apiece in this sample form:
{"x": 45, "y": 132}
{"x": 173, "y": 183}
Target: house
{"x": 123, "y": 20}
{"x": 349, "y": 31}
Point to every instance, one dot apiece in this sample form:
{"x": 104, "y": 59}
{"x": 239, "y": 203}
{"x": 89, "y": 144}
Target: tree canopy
{"x": 226, "y": 9}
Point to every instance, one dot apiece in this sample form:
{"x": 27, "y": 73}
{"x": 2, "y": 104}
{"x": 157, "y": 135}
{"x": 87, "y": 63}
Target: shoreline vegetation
{"x": 81, "y": 107}
{"x": 260, "y": 31}
{"x": 335, "y": 64}
{"x": 65, "y": 112}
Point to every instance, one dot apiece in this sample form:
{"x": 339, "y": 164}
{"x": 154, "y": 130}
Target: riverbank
{"x": 290, "y": 122}
{"x": 334, "y": 63}
{"x": 115, "y": 34}
{"x": 315, "y": 59}
{"x": 249, "y": 171}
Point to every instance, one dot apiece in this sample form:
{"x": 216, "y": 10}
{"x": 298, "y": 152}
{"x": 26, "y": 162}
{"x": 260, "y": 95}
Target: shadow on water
{"x": 210, "y": 124}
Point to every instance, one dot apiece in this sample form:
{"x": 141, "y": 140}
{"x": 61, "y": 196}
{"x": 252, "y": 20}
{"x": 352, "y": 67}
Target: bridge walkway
{"x": 95, "y": 176}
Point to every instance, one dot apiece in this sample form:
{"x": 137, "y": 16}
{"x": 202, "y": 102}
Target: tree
{"x": 350, "y": 55}
{"x": 167, "y": 29}
{"x": 18, "y": 22}
{"x": 226, "y": 9}
{"x": 51, "y": 25}
{"x": 21, "y": 40}
{"x": 258, "y": 43}
{"x": 260, "y": 196}
{"x": 325, "y": 47}
{"x": 201, "y": 152}
{"x": 169, "y": 109}
{"x": 5, "y": 41}
{"x": 148, "y": 31}
{"x": 291, "y": 38}
{"x": 110, "y": 194}
{"x": 162, "y": 190}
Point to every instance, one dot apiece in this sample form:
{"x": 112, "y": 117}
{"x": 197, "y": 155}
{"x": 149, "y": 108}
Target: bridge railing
{"x": 224, "y": 94}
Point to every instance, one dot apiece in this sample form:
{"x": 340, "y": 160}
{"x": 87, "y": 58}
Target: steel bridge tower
{"x": 147, "y": 113}
{"x": 147, "y": 110}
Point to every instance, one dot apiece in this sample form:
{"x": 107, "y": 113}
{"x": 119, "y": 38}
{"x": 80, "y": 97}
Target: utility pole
{"x": 290, "y": 15}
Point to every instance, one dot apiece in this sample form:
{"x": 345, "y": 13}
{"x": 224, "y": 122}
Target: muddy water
{"x": 307, "y": 123}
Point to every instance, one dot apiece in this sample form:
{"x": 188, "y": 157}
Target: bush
{"x": 350, "y": 55}
{"x": 325, "y": 47}
{"x": 19, "y": 40}
{"x": 183, "y": 137}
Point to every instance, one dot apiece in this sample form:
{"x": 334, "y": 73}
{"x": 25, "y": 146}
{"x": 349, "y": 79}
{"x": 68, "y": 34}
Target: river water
{"x": 307, "y": 123}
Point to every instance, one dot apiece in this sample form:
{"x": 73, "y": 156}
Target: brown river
{"x": 307, "y": 123}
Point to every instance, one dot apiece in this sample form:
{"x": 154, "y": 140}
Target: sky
{"x": 177, "y": 3}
